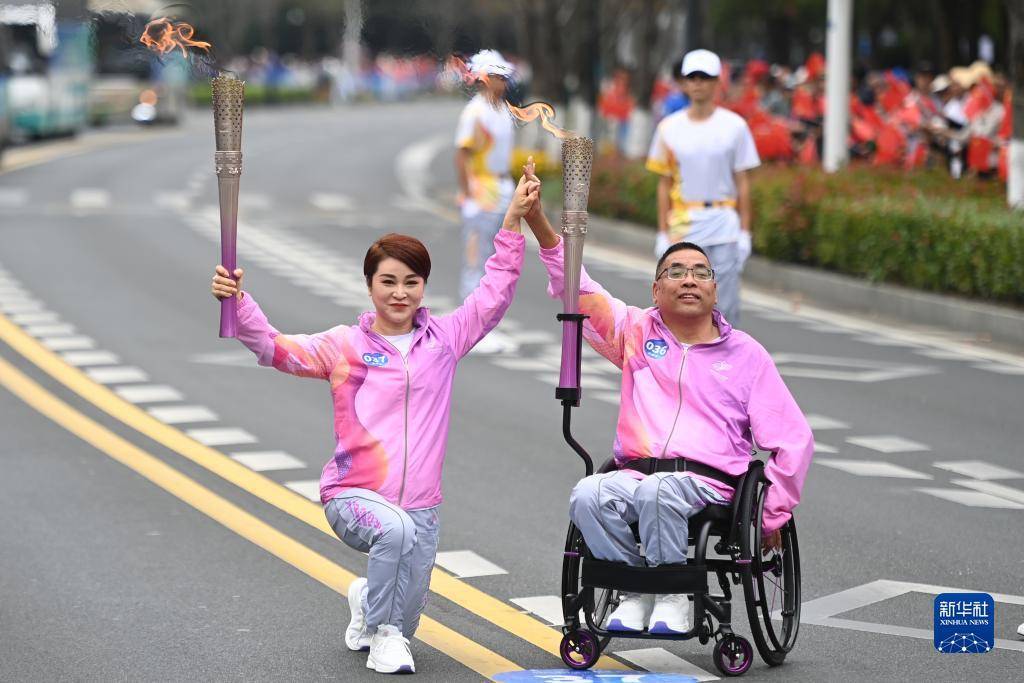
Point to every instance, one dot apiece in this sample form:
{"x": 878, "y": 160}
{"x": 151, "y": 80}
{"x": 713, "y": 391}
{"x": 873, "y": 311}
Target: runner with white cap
{"x": 704, "y": 154}
{"x": 483, "y": 142}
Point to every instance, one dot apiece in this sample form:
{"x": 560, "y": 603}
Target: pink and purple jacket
{"x": 703, "y": 402}
{"x": 390, "y": 413}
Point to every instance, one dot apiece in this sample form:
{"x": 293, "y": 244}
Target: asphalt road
{"x": 136, "y": 547}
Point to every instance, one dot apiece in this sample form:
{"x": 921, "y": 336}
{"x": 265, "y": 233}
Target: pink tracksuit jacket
{"x": 701, "y": 402}
{"x": 390, "y": 413}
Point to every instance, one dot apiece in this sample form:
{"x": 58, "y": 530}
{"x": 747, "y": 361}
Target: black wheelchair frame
{"x": 591, "y": 586}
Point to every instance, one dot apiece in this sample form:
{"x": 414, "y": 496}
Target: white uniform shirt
{"x": 702, "y": 157}
{"x": 488, "y": 134}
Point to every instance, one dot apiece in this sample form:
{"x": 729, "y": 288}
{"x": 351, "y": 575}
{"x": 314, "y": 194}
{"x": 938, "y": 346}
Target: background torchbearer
{"x": 228, "y": 102}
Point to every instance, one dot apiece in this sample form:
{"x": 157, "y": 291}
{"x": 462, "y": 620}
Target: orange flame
{"x": 163, "y": 35}
{"x": 545, "y": 112}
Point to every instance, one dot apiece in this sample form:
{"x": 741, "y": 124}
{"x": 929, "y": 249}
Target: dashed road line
{"x": 872, "y": 468}
{"x": 547, "y": 607}
{"x": 660, "y": 660}
{"x": 888, "y": 444}
{"x": 978, "y": 469}
{"x": 221, "y": 436}
{"x": 466, "y": 563}
{"x": 268, "y": 461}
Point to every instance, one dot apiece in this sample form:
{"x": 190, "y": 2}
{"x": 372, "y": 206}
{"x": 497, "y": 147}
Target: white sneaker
{"x": 671, "y": 614}
{"x": 356, "y": 637}
{"x": 389, "y": 652}
{"x": 632, "y": 612}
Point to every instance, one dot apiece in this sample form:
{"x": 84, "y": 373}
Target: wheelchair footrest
{"x": 668, "y": 578}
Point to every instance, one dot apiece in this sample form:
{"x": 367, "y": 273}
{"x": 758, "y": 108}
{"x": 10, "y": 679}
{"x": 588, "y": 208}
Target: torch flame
{"x": 163, "y": 35}
{"x": 545, "y": 112}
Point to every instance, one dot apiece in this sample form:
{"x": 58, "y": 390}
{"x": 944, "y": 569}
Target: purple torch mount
{"x": 228, "y": 102}
{"x": 577, "y": 161}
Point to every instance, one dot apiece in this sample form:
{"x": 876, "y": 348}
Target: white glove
{"x": 661, "y": 243}
{"x": 744, "y": 246}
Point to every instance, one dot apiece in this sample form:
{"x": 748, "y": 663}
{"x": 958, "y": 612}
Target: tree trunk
{"x": 1015, "y": 186}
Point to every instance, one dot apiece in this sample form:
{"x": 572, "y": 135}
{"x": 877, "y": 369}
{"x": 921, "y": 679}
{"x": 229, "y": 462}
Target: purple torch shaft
{"x": 577, "y": 160}
{"x": 228, "y": 102}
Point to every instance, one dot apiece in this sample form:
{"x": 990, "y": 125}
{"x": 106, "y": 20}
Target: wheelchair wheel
{"x": 733, "y": 655}
{"x": 598, "y": 602}
{"x": 771, "y": 583}
{"x": 579, "y": 649}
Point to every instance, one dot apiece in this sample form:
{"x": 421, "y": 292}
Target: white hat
{"x": 491, "y": 63}
{"x": 940, "y": 83}
{"x": 704, "y": 61}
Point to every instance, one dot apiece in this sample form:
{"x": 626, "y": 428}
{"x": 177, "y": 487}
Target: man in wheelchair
{"x": 696, "y": 395}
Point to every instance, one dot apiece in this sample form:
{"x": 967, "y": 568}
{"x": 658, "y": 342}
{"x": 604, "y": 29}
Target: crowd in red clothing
{"x": 961, "y": 119}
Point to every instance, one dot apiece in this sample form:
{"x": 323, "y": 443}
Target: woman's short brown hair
{"x": 408, "y": 250}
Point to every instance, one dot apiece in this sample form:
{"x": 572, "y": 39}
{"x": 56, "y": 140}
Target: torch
{"x": 228, "y": 101}
{"x": 577, "y": 159}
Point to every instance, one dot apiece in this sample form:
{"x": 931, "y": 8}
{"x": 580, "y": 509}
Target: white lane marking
{"x": 241, "y": 357}
{"x": 978, "y": 469}
{"x": 412, "y": 168}
{"x": 527, "y": 364}
{"x": 307, "y": 488}
{"x": 824, "y": 422}
{"x": 121, "y": 374}
{"x": 149, "y": 393}
{"x": 884, "y": 341}
{"x": 12, "y": 292}
{"x": 941, "y": 354}
{"x": 822, "y": 328}
{"x": 21, "y": 306}
{"x": 845, "y": 369}
{"x": 82, "y": 358}
{"x": 11, "y": 197}
{"x": 268, "y": 461}
{"x": 587, "y": 382}
{"x": 173, "y": 200}
{"x": 50, "y": 330}
{"x": 68, "y": 343}
{"x": 824, "y": 448}
{"x": 606, "y": 396}
{"x": 90, "y": 198}
{"x": 871, "y": 468}
{"x": 326, "y": 201}
{"x": 887, "y": 444}
{"x": 990, "y": 487}
{"x": 35, "y": 317}
{"x": 533, "y": 337}
{"x": 175, "y": 415}
{"x": 822, "y": 611}
{"x": 660, "y": 660}
{"x": 221, "y": 436}
{"x": 974, "y": 499}
{"x": 253, "y": 200}
{"x": 999, "y": 368}
{"x": 547, "y": 607}
{"x": 465, "y": 564}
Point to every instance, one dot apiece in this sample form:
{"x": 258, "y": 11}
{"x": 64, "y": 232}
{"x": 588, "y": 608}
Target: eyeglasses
{"x": 677, "y": 272}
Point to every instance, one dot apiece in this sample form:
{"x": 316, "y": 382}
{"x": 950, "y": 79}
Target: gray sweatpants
{"x": 602, "y": 506}
{"x": 725, "y": 259}
{"x": 477, "y": 246}
{"x": 401, "y": 544}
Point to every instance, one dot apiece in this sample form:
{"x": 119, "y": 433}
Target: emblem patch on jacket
{"x": 655, "y": 348}
{"x": 377, "y": 360}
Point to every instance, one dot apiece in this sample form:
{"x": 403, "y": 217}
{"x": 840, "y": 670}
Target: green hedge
{"x": 922, "y": 230}
{"x": 201, "y": 94}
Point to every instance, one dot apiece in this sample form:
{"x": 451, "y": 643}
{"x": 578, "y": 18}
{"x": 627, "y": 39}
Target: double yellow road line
{"x": 435, "y": 634}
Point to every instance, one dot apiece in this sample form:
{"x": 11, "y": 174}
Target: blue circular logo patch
{"x": 377, "y": 360}
{"x": 656, "y": 348}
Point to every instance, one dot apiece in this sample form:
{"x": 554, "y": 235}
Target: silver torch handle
{"x": 577, "y": 162}
{"x": 228, "y": 102}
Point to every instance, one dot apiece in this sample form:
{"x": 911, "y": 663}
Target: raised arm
{"x": 305, "y": 355}
{"x": 485, "y": 306}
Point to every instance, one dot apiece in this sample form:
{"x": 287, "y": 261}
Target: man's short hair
{"x": 679, "y": 246}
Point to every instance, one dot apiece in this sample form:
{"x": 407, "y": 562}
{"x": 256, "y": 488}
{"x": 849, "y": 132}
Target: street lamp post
{"x": 837, "y": 83}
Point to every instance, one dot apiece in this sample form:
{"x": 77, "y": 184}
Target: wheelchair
{"x": 770, "y": 578}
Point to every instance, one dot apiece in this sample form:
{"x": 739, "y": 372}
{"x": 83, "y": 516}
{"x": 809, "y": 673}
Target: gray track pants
{"x": 602, "y": 506}
{"x": 401, "y": 544}
{"x": 477, "y": 246}
{"x": 725, "y": 259}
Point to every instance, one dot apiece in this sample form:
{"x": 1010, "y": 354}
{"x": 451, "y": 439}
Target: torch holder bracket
{"x": 570, "y": 396}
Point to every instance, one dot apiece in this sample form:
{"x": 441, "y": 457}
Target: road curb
{"x": 984, "y": 321}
